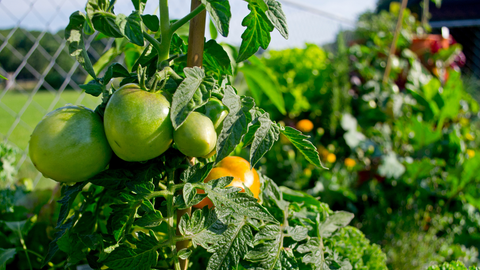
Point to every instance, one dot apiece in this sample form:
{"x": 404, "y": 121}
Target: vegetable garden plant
{"x": 168, "y": 125}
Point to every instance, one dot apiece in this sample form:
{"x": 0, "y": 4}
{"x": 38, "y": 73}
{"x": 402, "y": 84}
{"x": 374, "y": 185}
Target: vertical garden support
{"x": 196, "y": 39}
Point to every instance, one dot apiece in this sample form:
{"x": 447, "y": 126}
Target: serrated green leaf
{"x": 269, "y": 252}
{"x": 191, "y": 94}
{"x": 141, "y": 188}
{"x": 149, "y": 220}
{"x": 334, "y": 222}
{"x": 216, "y": 59}
{"x": 115, "y": 70}
{"x": 257, "y": 33}
{"x": 277, "y": 17}
{"x": 85, "y": 224}
{"x": 231, "y": 247}
{"x": 301, "y": 142}
{"x": 235, "y": 124}
{"x": 131, "y": 27}
{"x": 5, "y": 256}
{"x": 93, "y": 88}
{"x": 72, "y": 245}
{"x": 105, "y": 59}
{"x": 151, "y": 22}
{"x": 126, "y": 258}
{"x": 118, "y": 219}
{"x": 240, "y": 202}
{"x": 189, "y": 192}
{"x": 92, "y": 241}
{"x": 219, "y": 11}
{"x": 196, "y": 173}
{"x": 314, "y": 252}
{"x": 205, "y": 226}
{"x": 298, "y": 233}
{"x": 265, "y": 136}
{"x": 112, "y": 179}
{"x": 106, "y": 24}
{"x": 70, "y": 193}
{"x": 61, "y": 230}
{"x": 184, "y": 253}
{"x": 76, "y": 45}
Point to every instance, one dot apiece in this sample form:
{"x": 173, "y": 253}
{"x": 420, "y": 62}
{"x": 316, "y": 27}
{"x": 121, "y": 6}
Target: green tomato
{"x": 196, "y": 137}
{"x": 216, "y": 111}
{"x": 137, "y": 123}
{"x": 69, "y": 145}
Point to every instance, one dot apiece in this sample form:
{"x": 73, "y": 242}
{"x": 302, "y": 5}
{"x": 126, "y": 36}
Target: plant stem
{"x": 25, "y": 249}
{"x": 164, "y": 49}
{"x": 393, "y": 47}
{"x": 174, "y": 27}
{"x": 171, "y": 217}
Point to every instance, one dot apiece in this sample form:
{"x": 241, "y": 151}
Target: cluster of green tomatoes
{"x": 72, "y": 143}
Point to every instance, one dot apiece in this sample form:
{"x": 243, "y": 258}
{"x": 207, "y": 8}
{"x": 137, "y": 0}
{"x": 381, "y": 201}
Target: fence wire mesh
{"x": 42, "y": 76}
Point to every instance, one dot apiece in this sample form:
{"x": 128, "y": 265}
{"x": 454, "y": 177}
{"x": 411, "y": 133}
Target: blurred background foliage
{"x": 403, "y": 155}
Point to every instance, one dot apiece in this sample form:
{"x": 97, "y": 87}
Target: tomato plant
{"x": 69, "y": 145}
{"x": 137, "y": 213}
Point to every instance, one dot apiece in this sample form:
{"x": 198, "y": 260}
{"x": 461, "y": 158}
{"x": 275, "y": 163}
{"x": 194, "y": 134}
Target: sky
{"x": 307, "y": 24}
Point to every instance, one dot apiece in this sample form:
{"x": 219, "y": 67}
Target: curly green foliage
{"x": 351, "y": 243}
{"x": 456, "y": 265}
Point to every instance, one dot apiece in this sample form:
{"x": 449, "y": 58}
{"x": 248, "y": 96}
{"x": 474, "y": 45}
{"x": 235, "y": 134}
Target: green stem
{"x": 172, "y": 217}
{"x": 33, "y": 252}
{"x": 164, "y": 49}
{"x": 161, "y": 193}
{"x": 25, "y": 249}
{"x": 155, "y": 43}
{"x": 187, "y": 18}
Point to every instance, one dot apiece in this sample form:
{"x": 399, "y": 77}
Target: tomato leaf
{"x": 301, "y": 142}
{"x": 71, "y": 244}
{"x": 152, "y": 219}
{"x": 215, "y": 59}
{"x": 257, "y": 33}
{"x": 219, "y": 11}
{"x": 191, "y": 94}
{"x": 139, "y": 5}
{"x": 230, "y": 197}
{"x": 61, "y": 230}
{"x": 118, "y": 220}
{"x": 93, "y": 88}
{"x": 76, "y": 45}
{"x": 6, "y": 255}
{"x": 131, "y": 27}
{"x": 204, "y": 226}
{"x": 126, "y": 258}
{"x": 235, "y": 124}
{"x": 70, "y": 193}
{"x": 265, "y": 136}
{"x": 269, "y": 252}
{"x": 107, "y": 24}
{"x": 334, "y": 222}
{"x": 277, "y": 17}
{"x": 114, "y": 179}
{"x": 152, "y": 22}
{"x": 231, "y": 247}
{"x": 196, "y": 173}
{"x": 115, "y": 70}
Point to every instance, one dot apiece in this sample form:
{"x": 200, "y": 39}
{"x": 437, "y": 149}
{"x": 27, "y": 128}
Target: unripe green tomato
{"x": 69, "y": 145}
{"x": 216, "y": 111}
{"x": 137, "y": 123}
{"x": 196, "y": 137}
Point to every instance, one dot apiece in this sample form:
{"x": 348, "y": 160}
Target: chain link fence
{"x": 42, "y": 76}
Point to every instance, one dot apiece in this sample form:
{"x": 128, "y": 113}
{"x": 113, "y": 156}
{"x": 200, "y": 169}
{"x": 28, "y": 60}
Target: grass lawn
{"x": 13, "y": 108}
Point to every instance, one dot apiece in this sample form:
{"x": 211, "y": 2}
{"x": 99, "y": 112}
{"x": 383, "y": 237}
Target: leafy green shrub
{"x": 452, "y": 266}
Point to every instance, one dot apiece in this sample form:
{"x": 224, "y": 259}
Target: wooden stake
{"x": 196, "y": 39}
{"x": 393, "y": 47}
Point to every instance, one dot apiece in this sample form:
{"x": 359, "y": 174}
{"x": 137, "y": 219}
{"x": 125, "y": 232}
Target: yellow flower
{"x": 304, "y": 125}
{"x": 470, "y": 153}
{"x": 331, "y": 158}
{"x": 350, "y": 163}
{"x": 469, "y": 137}
{"x": 307, "y": 172}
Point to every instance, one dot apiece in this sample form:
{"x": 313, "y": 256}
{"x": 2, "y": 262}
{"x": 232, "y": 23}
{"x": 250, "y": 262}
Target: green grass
{"x": 12, "y": 104}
